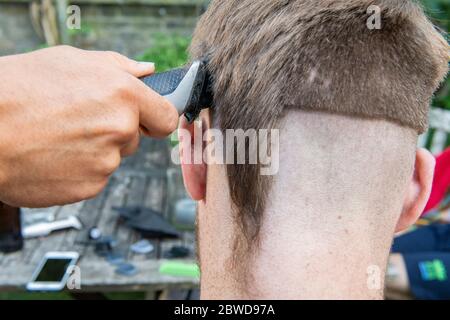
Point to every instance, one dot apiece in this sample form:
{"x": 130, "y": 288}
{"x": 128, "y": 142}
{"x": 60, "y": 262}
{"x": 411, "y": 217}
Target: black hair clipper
{"x": 188, "y": 88}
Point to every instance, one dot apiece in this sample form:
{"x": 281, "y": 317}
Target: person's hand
{"x": 67, "y": 117}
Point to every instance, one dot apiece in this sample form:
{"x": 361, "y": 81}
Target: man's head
{"x": 349, "y": 102}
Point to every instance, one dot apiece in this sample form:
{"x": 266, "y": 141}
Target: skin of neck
{"x": 331, "y": 215}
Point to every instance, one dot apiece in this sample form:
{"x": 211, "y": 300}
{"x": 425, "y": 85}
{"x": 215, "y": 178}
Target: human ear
{"x": 192, "y": 148}
{"x": 419, "y": 190}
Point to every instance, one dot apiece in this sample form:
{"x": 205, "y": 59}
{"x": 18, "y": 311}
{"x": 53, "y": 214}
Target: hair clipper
{"x": 187, "y": 88}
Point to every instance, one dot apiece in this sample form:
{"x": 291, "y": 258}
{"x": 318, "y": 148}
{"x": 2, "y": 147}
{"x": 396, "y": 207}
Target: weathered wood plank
{"x": 154, "y": 197}
{"x": 68, "y": 243}
{"x": 134, "y": 197}
{"x": 108, "y": 219}
{"x": 91, "y": 215}
{"x": 140, "y": 181}
{"x": 100, "y": 275}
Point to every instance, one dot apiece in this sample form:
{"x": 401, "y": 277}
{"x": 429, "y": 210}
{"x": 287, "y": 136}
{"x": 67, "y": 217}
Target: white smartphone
{"x": 53, "y": 271}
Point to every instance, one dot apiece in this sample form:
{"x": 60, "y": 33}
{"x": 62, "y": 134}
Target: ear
{"x": 192, "y": 148}
{"x": 419, "y": 190}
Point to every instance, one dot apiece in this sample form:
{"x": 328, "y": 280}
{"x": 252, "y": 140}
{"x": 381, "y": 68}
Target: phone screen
{"x": 53, "y": 270}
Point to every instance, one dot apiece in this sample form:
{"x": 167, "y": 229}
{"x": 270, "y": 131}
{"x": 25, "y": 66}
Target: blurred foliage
{"x": 167, "y": 51}
{"x": 439, "y": 11}
{"x": 85, "y": 30}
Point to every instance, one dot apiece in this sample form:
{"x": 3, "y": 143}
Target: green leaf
{"x": 167, "y": 52}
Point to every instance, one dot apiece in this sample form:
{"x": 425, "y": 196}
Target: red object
{"x": 441, "y": 183}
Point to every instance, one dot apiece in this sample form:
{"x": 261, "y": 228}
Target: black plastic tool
{"x": 188, "y": 88}
{"x": 148, "y": 222}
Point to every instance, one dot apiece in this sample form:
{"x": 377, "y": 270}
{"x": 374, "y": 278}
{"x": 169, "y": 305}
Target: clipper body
{"x": 188, "y": 88}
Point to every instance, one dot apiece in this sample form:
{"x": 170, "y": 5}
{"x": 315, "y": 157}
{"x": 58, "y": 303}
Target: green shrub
{"x": 439, "y": 11}
{"x": 168, "y": 51}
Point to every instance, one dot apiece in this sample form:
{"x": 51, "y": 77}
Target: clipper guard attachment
{"x": 188, "y": 89}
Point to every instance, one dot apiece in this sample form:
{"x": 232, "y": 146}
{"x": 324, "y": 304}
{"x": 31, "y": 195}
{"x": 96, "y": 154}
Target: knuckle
{"x": 113, "y": 55}
{"x": 120, "y": 126}
{"x": 124, "y": 89}
{"x": 110, "y": 164}
{"x": 116, "y": 58}
{"x": 131, "y": 148}
{"x": 131, "y": 151}
{"x": 99, "y": 186}
{"x": 91, "y": 191}
{"x": 127, "y": 125}
{"x": 65, "y": 47}
{"x": 172, "y": 121}
{"x": 165, "y": 125}
{"x": 83, "y": 193}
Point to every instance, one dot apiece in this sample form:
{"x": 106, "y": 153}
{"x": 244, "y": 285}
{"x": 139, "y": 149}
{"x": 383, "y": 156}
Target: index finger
{"x": 157, "y": 116}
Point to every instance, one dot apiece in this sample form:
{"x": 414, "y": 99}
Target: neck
{"x": 308, "y": 249}
{"x": 344, "y": 258}
{"x": 307, "y": 260}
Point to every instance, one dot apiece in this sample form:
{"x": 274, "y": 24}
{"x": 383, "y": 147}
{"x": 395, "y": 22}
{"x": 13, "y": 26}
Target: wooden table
{"x": 147, "y": 179}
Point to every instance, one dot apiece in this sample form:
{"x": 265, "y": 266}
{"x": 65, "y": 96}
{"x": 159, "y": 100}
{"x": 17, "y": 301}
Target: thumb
{"x": 133, "y": 67}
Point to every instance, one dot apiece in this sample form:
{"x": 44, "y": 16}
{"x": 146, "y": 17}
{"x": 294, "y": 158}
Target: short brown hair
{"x": 267, "y": 57}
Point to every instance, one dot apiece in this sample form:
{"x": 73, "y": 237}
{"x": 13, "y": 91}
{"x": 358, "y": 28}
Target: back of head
{"x": 321, "y": 56}
{"x": 349, "y": 100}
